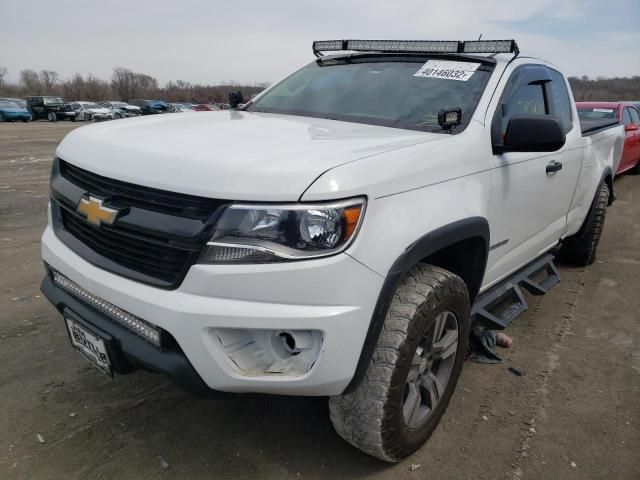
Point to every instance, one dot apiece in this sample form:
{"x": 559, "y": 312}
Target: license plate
{"x": 89, "y": 345}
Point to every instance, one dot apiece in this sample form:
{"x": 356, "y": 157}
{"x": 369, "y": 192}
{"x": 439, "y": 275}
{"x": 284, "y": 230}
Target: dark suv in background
{"x": 149, "y": 107}
{"x": 50, "y": 107}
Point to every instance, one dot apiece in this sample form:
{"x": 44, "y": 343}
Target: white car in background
{"x": 121, "y": 109}
{"x": 92, "y": 111}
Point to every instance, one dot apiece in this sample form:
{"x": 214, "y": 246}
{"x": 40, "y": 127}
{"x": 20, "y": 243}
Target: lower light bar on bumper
{"x": 140, "y": 327}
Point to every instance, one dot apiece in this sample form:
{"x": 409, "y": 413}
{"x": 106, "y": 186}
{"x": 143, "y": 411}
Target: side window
{"x": 560, "y": 104}
{"x": 626, "y": 117}
{"x": 523, "y": 94}
{"x": 635, "y": 116}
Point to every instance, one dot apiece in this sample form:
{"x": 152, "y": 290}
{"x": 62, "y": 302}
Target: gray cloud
{"x": 255, "y": 41}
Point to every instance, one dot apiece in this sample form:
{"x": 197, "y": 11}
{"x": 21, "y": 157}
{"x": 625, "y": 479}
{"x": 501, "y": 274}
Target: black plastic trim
{"x": 128, "y": 351}
{"x": 428, "y": 244}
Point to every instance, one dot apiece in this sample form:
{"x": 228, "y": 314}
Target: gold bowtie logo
{"x": 95, "y": 212}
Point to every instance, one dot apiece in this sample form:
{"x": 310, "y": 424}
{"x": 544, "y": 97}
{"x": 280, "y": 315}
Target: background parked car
{"x": 50, "y": 107}
{"x": 91, "y": 111}
{"x": 18, "y": 101}
{"x": 177, "y": 108}
{"x": 625, "y": 113}
{"x": 125, "y": 109}
{"x": 149, "y": 107}
{"x": 10, "y": 111}
{"x": 205, "y": 108}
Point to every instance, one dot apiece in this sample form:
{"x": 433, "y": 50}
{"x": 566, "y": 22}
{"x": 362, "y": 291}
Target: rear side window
{"x": 626, "y": 117}
{"x": 560, "y": 104}
{"x": 635, "y": 117}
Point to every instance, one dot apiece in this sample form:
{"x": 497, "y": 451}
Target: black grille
{"x": 154, "y": 259}
{"x": 131, "y": 195}
{"x": 156, "y": 237}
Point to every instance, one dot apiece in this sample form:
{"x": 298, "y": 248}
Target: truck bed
{"x": 592, "y": 126}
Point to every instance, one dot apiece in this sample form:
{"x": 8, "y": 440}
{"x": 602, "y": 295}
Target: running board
{"x": 500, "y": 305}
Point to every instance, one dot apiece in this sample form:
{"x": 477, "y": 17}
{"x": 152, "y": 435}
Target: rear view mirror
{"x": 532, "y": 133}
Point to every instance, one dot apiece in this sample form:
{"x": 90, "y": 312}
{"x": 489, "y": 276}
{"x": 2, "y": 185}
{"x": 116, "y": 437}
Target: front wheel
{"x": 413, "y": 370}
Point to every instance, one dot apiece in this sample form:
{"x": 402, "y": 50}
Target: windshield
{"x": 591, "y": 113}
{"x": 377, "y": 91}
{"x": 52, "y": 100}
{"x": 118, "y": 104}
{"x": 8, "y": 105}
{"x": 92, "y": 105}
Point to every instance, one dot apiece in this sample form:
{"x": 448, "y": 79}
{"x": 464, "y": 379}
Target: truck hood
{"x": 230, "y": 155}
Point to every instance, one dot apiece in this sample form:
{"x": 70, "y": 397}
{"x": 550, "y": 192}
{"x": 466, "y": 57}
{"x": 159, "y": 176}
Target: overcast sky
{"x": 210, "y": 41}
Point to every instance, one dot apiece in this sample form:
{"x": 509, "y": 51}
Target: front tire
{"x": 580, "y": 249}
{"x": 413, "y": 370}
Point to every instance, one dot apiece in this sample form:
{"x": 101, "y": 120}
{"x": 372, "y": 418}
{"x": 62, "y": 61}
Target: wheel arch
{"x": 461, "y": 247}
{"x": 607, "y": 177}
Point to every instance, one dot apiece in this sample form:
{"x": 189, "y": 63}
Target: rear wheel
{"x": 52, "y": 117}
{"x": 413, "y": 370}
{"x": 580, "y": 249}
{"x": 636, "y": 170}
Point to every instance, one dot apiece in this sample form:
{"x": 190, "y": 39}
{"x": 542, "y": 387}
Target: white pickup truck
{"x": 336, "y": 235}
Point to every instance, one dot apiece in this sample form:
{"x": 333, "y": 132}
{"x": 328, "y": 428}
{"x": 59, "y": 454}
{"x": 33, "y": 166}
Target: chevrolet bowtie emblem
{"x": 95, "y": 212}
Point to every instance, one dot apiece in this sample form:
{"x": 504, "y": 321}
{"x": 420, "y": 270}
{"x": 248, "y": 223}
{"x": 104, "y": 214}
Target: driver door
{"x": 531, "y": 191}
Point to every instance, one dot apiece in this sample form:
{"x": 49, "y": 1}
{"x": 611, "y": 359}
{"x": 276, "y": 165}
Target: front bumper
{"x": 334, "y": 295}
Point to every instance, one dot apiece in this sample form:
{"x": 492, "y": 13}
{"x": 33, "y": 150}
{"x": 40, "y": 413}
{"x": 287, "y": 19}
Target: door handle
{"x": 554, "y": 166}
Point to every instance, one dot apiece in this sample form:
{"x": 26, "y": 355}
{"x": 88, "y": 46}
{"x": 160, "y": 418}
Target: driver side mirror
{"x": 532, "y": 133}
{"x": 631, "y": 127}
{"x": 235, "y": 99}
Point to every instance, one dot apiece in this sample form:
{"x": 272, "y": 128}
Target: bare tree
{"x": 48, "y": 78}
{"x": 4, "y": 71}
{"x": 123, "y": 83}
{"x": 30, "y": 82}
{"x": 73, "y": 89}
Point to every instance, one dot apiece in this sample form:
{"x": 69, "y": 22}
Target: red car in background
{"x": 628, "y": 115}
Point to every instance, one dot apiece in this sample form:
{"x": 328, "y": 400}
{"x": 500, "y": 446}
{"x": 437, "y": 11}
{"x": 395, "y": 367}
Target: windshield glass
{"x": 91, "y": 105}
{"x": 52, "y": 100}
{"x": 377, "y": 91}
{"x": 8, "y": 105}
{"x": 118, "y": 104}
{"x": 597, "y": 112}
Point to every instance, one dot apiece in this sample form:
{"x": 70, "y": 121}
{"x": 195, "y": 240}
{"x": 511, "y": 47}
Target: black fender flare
{"x": 608, "y": 176}
{"x": 423, "y": 247}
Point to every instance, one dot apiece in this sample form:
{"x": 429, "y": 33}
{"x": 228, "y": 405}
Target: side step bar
{"x": 499, "y": 305}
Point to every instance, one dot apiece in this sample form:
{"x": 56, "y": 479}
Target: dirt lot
{"x": 575, "y": 414}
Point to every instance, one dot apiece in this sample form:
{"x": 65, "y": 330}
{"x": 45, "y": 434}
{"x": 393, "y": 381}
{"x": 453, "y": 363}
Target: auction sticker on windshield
{"x": 447, "y": 70}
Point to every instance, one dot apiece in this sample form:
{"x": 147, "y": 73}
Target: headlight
{"x": 280, "y": 233}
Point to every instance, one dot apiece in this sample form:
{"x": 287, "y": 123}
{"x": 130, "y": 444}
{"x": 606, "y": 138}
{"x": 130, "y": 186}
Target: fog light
{"x": 269, "y": 352}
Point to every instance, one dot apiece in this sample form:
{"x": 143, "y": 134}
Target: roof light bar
{"x": 417, "y": 46}
{"x": 491, "y": 46}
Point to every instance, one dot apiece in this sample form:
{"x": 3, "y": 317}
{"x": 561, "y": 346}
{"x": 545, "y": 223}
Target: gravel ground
{"x": 575, "y": 414}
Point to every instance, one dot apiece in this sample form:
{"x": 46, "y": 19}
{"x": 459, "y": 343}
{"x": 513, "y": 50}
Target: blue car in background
{"x": 10, "y": 111}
